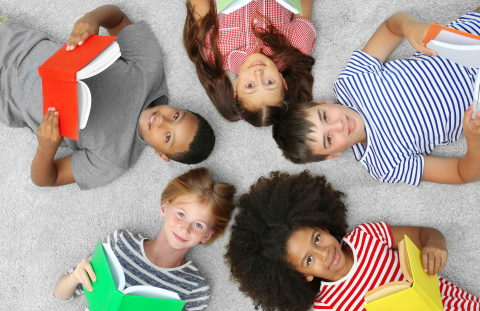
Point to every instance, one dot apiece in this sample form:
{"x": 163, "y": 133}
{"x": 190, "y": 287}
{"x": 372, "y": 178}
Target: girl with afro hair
{"x": 289, "y": 249}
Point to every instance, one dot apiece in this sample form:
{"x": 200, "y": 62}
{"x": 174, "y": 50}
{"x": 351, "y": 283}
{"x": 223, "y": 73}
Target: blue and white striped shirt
{"x": 408, "y": 106}
{"x": 185, "y": 280}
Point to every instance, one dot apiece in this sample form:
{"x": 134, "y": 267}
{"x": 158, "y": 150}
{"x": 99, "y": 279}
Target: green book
{"x": 109, "y": 292}
{"x": 228, "y": 6}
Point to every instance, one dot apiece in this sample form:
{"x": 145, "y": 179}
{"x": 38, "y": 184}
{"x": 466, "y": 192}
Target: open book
{"x": 109, "y": 292}
{"x": 228, "y": 6}
{"x": 419, "y": 293}
{"x": 460, "y": 47}
{"x": 61, "y": 85}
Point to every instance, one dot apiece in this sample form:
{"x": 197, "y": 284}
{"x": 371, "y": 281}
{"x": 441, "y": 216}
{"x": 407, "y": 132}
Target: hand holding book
{"x": 434, "y": 256}
{"x": 83, "y": 273}
{"x": 48, "y": 133}
{"x": 84, "y": 28}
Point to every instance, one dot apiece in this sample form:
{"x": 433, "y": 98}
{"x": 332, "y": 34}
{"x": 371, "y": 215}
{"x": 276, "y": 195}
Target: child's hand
{"x": 84, "y": 28}
{"x": 471, "y": 128}
{"x": 48, "y": 133}
{"x": 82, "y": 272}
{"x": 434, "y": 257}
{"x": 415, "y": 33}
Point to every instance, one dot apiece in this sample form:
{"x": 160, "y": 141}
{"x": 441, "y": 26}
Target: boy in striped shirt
{"x": 394, "y": 114}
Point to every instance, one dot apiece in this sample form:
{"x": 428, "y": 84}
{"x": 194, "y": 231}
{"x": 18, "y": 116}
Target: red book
{"x": 60, "y": 80}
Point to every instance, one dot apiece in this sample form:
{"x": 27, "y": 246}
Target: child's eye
{"x": 270, "y": 82}
{"x": 181, "y": 214}
{"x": 329, "y": 139}
{"x": 250, "y": 85}
{"x": 309, "y": 260}
{"x": 168, "y": 137}
{"x": 175, "y": 117}
{"x": 198, "y": 225}
{"x": 317, "y": 239}
{"x": 325, "y": 117}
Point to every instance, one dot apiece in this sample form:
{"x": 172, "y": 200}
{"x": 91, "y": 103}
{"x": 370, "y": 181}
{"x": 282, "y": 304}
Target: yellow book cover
{"x": 421, "y": 294}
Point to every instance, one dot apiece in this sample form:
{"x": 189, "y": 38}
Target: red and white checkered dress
{"x": 236, "y": 39}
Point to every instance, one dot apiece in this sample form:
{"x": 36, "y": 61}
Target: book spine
{"x": 56, "y": 74}
{"x": 116, "y": 301}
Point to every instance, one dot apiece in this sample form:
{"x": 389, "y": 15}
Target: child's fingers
{"x": 55, "y": 124}
{"x": 85, "y": 280}
{"x": 438, "y": 264}
{"x": 425, "y": 261}
{"x": 89, "y": 269}
{"x": 423, "y": 48}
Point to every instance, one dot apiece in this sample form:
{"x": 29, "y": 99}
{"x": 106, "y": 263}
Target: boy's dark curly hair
{"x": 201, "y": 145}
{"x": 273, "y": 209}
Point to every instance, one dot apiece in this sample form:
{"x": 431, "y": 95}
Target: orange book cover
{"x": 435, "y": 29}
{"x": 59, "y": 82}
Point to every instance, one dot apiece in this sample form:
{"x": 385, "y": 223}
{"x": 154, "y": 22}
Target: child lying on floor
{"x": 129, "y": 104}
{"x": 394, "y": 114}
{"x": 289, "y": 249}
{"x": 196, "y": 210}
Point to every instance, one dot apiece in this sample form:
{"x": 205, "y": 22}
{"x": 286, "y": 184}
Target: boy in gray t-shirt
{"x": 129, "y": 104}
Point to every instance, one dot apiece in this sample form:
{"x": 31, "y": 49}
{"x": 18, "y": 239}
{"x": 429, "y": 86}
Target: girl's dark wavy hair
{"x": 297, "y": 73}
{"x": 273, "y": 209}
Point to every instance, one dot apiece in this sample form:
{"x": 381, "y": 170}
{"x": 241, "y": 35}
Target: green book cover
{"x": 106, "y": 297}
{"x": 228, "y": 6}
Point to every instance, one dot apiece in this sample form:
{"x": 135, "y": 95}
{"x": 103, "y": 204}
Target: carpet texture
{"x": 46, "y": 231}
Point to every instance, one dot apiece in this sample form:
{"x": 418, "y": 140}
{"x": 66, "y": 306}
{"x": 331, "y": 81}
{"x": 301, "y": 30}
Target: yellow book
{"x": 420, "y": 293}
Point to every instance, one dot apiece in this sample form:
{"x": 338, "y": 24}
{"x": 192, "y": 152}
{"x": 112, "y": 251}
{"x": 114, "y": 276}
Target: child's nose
{"x": 322, "y": 253}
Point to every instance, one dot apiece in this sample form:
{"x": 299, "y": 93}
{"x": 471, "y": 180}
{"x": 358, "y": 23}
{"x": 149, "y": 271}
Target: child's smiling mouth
{"x": 335, "y": 258}
{"x": 351, "y": 125}
{"x": 257, "y": 63}
{"x": 150, "y": 119}
{"x": 178, "y": 238}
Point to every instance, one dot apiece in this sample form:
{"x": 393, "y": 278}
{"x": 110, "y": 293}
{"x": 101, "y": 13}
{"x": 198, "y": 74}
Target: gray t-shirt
{"x": 110, "y": 144}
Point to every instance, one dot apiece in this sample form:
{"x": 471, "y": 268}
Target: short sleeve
{"x": 409, "y": 171}
{"x": 360, "y": 63}
{"x": 139, "y": 48}
{"x": 379, "y": 231}
{"x": 301, "y": 34}
{"x": 198, "y": 298}
{"x": 91, "y": 171}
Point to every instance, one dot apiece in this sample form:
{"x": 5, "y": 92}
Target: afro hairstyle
{"x": 273, "y": 209}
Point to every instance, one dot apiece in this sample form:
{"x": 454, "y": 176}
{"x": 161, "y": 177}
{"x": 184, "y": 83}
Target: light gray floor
{"x": 44, "y": 232}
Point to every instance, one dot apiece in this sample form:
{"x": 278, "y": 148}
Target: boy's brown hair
{"x": 291, "y": 134}
{"x": 198, "y": 184}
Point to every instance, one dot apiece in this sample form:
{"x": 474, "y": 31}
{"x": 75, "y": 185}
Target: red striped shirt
{"x": 236, "y": 40}
{"x": 376, "y": 263}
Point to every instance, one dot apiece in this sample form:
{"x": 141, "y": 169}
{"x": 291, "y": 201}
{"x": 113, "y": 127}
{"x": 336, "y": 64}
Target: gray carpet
{"x": 45, "y": 232}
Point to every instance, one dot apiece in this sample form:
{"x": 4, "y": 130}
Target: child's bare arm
{"x": 392, "y": 31}
{"x": 458, "y": 170}
{"x": 108, "y": 16}
{"x": 430, "y": 241}
{"x": 306, "y": 10}
{"x": 45, "y": 170}
{"x": 200, "y": 8}
{"x": 66, "y": 284}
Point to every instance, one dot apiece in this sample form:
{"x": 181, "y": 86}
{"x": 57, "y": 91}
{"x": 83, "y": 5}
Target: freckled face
{"x": 167, "y": 129}
{"x": 315, "y": 252}
{"x": 336, "y": 128}
{"x": 259, "y": 82}
{"x": 187, "y": 222}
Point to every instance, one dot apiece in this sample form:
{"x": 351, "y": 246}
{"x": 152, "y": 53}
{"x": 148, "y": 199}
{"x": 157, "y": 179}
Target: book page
{"x": 84, "y": 104}
{"x": 454, "y": 38}
{"x": 464, "y": 55}
{"x": 150, "y": 291}
{"x": 115, "y": 267}
{"x": 101, "y": 62}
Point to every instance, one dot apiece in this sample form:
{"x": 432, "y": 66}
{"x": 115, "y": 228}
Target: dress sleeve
{"x": 301, "y": 33}
{"x": 91, "y": 171}
{"x": 378, "y": 230}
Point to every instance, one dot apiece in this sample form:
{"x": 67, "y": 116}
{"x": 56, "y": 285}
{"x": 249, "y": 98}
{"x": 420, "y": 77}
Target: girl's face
{"x": 316, "y": 253}
{"x": 259, "y": 82}
{"x": 187, "y": 222}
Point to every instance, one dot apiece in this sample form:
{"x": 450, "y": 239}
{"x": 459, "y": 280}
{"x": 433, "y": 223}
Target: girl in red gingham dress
{"x": 289, "y": 249}
{"x": 265, "y": 45}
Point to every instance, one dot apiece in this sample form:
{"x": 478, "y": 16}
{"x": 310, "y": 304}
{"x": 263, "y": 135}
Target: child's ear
{"x": 235, "y": 89}
{"x": 323, "y": 102}
{"x": 284, "y": 83}
{"x": 308, "y": 278}
{"x": 163, "y": 156}
{"x": 208, "y": 236}
{"x": 333, "y": 155}
{"x": 163, "y": 208}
